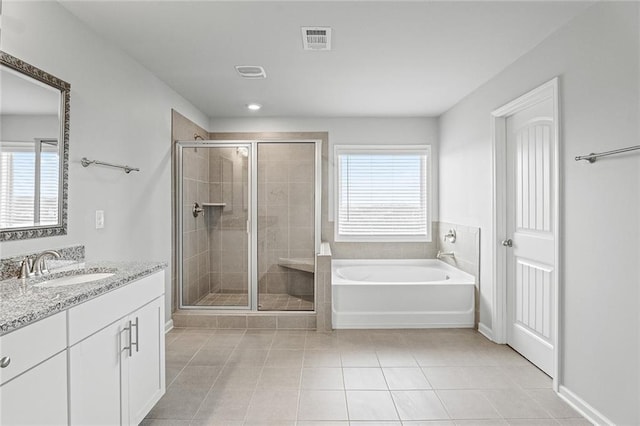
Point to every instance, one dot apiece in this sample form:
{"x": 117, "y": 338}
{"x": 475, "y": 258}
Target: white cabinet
{"x": 37, "y": 397}
{"x": 98, "y": 363}
{"x": 146, "y": 365}
{"x": 25, "y": 347}
{"x": 94, "y": 377}
{"x": 33, "y": 376}
{"x": 117, "y": 373}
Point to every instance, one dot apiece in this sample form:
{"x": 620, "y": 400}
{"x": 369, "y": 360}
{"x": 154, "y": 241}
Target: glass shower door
{"x": 286, "y": 226}
{"x": 214, "y": 188}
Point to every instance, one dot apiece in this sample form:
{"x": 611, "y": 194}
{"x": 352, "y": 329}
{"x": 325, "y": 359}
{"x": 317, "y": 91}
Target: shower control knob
{"x": 5, "y": 361}
{"x": 196, "y": 210}
{"x": 507, "y": 243}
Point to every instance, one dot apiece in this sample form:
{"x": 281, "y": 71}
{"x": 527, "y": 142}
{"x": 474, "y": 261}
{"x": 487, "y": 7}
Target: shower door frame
{"x": 252, "y": 227}
{"x": 180, "y": 226}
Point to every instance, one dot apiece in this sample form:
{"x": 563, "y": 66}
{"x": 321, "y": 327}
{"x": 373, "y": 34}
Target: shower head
{"x": 197, "y": 137}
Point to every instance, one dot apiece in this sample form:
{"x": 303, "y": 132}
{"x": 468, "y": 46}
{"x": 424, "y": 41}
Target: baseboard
{"x": 168, "y": 326}
{"x": 578, "y": 404}
{"x": 485, "y": 331}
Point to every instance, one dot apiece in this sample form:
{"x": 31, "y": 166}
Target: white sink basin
{"x": 74, "y": 279}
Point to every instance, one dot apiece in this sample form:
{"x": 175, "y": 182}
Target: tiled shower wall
{"x": 285, "y": 216}
{"x": 195, "y": 258}
{"x": 218, "y": 235}
{"x": 227, "y": 226}
{"x": 267, "y": 320}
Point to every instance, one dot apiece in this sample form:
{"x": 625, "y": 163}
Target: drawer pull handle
{"x": 5, "y": 361}
{"x": 137, "y": 335}
{"x": 129, "y": 332}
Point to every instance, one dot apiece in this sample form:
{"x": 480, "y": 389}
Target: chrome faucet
{"x": 37, "y": 267}
{"x": 442, "y": 254}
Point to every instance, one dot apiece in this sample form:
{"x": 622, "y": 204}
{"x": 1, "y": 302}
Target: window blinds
{"x": 27, "y": 197}
{"x": 382, "y": 194}
{"x": 49, "y": 179}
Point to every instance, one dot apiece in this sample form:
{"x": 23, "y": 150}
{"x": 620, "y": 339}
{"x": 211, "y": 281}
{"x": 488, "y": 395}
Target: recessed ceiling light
{"x": 253, "y": 107}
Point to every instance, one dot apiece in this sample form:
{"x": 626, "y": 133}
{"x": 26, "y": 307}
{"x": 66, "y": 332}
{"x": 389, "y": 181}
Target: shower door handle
{"x": 248, "y": 226}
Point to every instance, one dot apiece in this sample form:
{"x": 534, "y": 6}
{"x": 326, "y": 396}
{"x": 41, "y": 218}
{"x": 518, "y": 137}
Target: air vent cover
{"x": 316, "y": 38}
{"x": 251, "y": 71}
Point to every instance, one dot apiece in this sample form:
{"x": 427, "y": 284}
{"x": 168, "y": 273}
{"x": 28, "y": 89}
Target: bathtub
{"x": 424, "y": 293}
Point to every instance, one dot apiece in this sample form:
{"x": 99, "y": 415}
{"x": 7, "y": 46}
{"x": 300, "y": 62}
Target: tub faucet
{"x": 442, "y": 254}
{"x": 450, "y": 236}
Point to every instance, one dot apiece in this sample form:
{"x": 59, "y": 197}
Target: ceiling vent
{"x": 316, "y": 38}
{"x": 251, "y": 71}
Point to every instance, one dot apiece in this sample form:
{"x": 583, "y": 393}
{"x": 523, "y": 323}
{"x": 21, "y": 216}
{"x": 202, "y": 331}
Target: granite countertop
{"x": 22, "y": 304}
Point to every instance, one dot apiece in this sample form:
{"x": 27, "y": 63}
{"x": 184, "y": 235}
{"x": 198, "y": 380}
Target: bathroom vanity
{"x": 84, "y": 344}
{"x": 82, "y": 353}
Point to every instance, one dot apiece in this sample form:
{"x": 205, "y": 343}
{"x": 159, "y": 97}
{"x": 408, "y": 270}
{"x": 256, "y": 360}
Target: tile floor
{"x": 268, "y": 302}
{"x": 352, "y": 377}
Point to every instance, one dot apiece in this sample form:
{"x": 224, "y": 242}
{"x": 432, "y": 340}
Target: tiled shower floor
{"x": 351, "y": 377}
{"x": 223, "y": 299}
{"x": 267, "y": 302}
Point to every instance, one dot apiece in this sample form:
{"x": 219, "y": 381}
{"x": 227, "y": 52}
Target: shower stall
{"x": 247, "y": 224}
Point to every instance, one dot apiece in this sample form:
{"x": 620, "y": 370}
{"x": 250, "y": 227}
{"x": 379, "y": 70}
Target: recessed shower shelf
{"x": 299, "y": 264}
{"x": 214, "y": 204}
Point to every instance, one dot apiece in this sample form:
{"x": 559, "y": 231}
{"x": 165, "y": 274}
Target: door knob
{"x": 507, "y": 243}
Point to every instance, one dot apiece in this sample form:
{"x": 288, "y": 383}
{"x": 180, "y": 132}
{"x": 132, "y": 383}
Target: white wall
{"x": 596, "y": 57}
{"x": 120, "y": 113}
{"x": 348, "y": 131}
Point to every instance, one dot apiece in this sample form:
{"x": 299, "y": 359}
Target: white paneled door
{"x": 530, "y": 242}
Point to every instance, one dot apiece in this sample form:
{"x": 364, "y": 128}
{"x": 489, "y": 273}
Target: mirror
{"x": 34, "y": 151}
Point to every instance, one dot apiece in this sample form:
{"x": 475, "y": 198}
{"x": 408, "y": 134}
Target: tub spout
{"x": 442, "y": 254}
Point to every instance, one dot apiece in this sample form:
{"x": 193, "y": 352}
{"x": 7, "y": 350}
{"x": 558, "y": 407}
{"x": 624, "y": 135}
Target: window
{"x": 382, "y": 193}
{"x": 29, "y": 183}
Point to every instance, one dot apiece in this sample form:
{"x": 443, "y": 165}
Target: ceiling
{"x": 388, "y": 59}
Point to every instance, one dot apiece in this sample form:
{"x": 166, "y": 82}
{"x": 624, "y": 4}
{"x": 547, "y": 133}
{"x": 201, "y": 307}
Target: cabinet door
{"x": 146, "y": 364}
{"x": 37, "y": 397}
{"x": 96, "y": 371}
